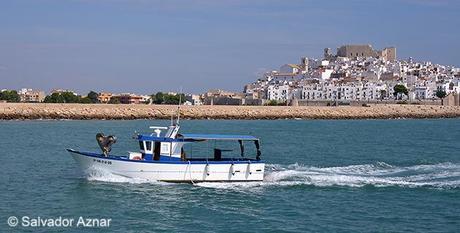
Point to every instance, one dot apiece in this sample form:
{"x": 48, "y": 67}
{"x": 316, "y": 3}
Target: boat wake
{"x": 442, "y": 176}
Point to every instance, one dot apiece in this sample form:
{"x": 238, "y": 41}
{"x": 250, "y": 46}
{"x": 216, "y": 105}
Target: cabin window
{"x": 148, "y": 146}
{"x": 141, "y": 145}
{"x": 165, "y": 148}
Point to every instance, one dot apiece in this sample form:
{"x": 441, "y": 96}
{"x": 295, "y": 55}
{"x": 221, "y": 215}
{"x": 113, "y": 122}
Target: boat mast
{"x": 178, "y": 109}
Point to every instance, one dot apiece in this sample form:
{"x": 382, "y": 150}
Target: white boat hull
{"x": 182, "y": 171}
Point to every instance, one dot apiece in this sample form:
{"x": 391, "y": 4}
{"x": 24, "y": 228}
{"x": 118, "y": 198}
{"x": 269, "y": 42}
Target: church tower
{"x": 304, "y": 64}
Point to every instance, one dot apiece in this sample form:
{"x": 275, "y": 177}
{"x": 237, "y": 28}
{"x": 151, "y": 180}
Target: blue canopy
{"x": 218, "y": 137}
{"x": 143, "y": 137}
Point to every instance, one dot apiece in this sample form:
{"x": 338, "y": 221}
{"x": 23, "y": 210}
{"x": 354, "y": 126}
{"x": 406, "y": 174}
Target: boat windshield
{"x": 201, "y": 146}
{"x": 222, "y": 147}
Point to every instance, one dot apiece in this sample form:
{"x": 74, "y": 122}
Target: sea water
{"x": 321, "y": 176}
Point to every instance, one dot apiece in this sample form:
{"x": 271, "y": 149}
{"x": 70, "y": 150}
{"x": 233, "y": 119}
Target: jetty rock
{"x": 11, "y": 111}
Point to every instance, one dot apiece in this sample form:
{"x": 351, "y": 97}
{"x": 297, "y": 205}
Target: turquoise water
{"x": 321, "y": 176}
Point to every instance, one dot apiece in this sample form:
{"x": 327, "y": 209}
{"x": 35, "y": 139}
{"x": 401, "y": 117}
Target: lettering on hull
{"x": 102, "y": 161}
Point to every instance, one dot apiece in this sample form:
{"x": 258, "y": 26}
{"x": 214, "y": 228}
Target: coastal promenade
{"x": 12, "y": 111}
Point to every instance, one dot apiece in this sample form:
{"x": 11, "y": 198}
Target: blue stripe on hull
{"x": 124, "y": 159}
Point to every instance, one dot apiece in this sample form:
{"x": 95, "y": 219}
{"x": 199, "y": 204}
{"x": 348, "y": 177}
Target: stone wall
{"x": 10, "y": 111}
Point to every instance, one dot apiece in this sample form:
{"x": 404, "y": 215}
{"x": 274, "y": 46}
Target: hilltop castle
{"x": 355, "y": 51}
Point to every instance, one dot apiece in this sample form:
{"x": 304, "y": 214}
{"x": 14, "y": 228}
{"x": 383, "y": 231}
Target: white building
{"x": 30, "y": 95}
{"x": 146, "y": 99}
{"x": 193, "y": 99}
{"x": 278, "y": 92}
{"x": 361, "y": 78}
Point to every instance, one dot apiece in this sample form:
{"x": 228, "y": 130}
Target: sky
{"x": 145, "y": 46}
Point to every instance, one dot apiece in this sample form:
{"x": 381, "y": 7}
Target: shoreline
{"x": 42, "y": 111}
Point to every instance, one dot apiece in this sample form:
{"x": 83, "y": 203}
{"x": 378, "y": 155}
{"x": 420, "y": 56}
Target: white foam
{"x": 443, "y": 175}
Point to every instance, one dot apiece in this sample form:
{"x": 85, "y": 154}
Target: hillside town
{"x": 355, "y": 75}
{"x": 358, "y": 74}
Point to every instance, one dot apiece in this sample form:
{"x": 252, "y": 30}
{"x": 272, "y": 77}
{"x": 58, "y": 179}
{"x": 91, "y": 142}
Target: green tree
{"x": 159, "y": 98}
{"x": 163, "y": 98}
{"x": 441, "y": 94}
{"x": 64, "y": 97}
{"x": 272, "y": 103}
{"x": 400, "y": 89}
{"x": 93, "y": 97}
{"x": 172, "y": 99}
{"x": 114, "y": 100}
{"x": 152, "y": 96}
{"x": 10, "y": 96}
{"x": 275, "y": 103}
{"x": 54, "y": 98}
{"x": 86, "y": 100}
{"x": 70, "y": 97}
{"x": 47, "y": 99}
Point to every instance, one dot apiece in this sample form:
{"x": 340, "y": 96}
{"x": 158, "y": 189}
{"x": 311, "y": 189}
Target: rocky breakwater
{"x": 12, "y": 111}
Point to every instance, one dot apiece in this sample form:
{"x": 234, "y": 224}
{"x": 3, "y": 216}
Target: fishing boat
{"x": 162, "y": 157}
